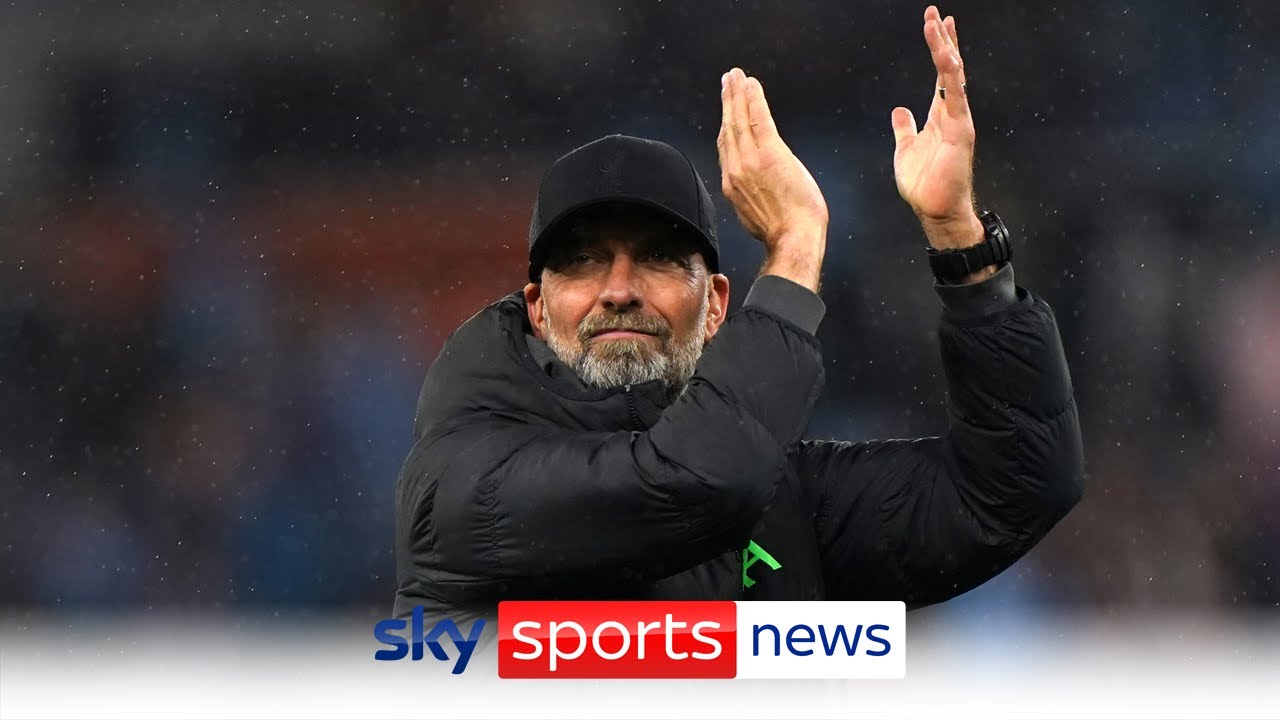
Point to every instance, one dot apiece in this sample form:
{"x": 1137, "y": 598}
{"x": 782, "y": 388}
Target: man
{"x": 610, "y": 432}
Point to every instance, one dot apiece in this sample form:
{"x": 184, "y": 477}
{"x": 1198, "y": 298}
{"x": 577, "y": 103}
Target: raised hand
{"x": 775, "y": 197}
{"x": 933, "y": 166}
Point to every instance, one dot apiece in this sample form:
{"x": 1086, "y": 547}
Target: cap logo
{"x": 609, "y": 174}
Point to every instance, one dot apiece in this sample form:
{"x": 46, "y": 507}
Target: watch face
{"x": 991, "y": 222}
{"x": 997, "y": 235}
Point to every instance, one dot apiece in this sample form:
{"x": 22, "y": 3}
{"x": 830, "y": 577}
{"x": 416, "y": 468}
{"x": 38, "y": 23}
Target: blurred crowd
{"x": 233, "y": 236}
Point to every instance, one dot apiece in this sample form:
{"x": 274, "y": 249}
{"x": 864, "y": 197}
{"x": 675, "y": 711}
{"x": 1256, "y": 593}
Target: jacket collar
{"x": 649, "y": 398}
{"x": 494, "y": 365}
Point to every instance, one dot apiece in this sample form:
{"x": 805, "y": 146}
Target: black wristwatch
{"x": 952, "y": 266}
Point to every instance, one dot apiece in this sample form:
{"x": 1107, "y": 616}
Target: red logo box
{"x": 587, "y": 639}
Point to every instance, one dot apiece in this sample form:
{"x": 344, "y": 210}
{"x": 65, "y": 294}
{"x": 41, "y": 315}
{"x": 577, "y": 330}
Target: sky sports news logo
{"x": 461, "y": 647}
{"x": 658, "y": 639}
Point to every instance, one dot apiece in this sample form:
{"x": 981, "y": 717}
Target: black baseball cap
{"x": 621, "y": 169}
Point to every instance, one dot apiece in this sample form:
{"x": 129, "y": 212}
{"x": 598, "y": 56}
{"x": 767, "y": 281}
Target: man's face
{"x": 626, "y": 298}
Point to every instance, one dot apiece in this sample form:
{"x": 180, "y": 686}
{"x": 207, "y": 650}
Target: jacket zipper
{"x": 631, "y": 405}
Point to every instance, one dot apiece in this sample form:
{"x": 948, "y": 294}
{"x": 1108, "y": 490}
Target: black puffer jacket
{"x": 523, "y": 483}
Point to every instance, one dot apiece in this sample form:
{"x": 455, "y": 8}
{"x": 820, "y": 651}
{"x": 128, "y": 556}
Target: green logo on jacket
{"x": 750, "y": 556}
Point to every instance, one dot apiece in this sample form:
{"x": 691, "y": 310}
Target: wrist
{"x": 797, "y": 256}
{"x": 806, "y": 241}
{"x": 960, "y": 247}
{"x": 954, "y": 234}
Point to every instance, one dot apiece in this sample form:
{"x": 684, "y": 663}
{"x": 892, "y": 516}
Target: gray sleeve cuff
{"x": 965, "y": 302}
{"x": 788, "y": 300}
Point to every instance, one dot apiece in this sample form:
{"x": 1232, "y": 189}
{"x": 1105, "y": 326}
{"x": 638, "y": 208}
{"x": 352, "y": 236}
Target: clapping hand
{"x": 933, "y": 165}
{"x": 776, "y": 198}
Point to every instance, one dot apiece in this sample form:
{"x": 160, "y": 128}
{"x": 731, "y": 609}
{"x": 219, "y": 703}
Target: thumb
{"x": 904, "y": 125}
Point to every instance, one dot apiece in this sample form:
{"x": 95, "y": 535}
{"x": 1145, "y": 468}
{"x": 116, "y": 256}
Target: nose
{"x": 621, "y": 285}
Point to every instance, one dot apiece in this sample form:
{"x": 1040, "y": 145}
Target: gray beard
{"x": 617, "y": 363}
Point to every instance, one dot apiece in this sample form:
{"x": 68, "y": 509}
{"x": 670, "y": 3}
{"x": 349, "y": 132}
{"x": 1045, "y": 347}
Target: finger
{"x": 763, "y": 128}
{"x": 953, "y": 39}
{"x": 726, "y": 112}
{"x": 946, "y": 61}
{"x": 939, "y": 46}
{"x": 949, "y": 36}
{"x": 741, "y": 116}
{"x": 956, "y": 81}
{"x": 726, "y": 142}
{"x": 904, "y": 125}
{"x": 931, "y": 16}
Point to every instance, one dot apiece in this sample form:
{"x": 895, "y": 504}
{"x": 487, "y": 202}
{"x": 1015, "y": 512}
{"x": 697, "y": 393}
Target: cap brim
{"x": 543, "y": 242}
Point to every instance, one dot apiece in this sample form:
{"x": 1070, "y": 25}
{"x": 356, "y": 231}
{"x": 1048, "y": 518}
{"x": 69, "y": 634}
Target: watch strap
{"x": 955, "y": 264}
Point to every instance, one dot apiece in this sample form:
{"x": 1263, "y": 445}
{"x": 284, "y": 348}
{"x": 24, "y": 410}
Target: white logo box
{"x": 822, "y": 618}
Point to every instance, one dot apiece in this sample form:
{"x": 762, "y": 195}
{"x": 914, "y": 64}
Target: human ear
{"x": 537, "y": 310}
{"x": 717, "y": 304}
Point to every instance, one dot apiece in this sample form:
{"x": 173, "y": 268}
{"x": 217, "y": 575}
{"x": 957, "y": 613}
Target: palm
{"x": 933, "y": 165}
{"x": 932, "y": 169}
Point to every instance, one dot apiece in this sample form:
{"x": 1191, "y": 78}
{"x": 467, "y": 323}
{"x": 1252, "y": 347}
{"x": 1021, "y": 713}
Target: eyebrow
{"x": 682, "y": 249}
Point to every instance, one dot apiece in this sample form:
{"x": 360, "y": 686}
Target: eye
{"x": 580, "y": 259}
{"x": 659, "y": 256}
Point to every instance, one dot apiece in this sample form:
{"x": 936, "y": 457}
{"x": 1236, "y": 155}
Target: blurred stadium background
{"x": 234, "y": 235}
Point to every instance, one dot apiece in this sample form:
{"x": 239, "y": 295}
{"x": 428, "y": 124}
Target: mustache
{"x": 596, "y": 324}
